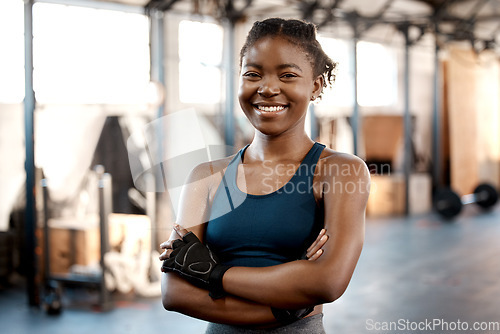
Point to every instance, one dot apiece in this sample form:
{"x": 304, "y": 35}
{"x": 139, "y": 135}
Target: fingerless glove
{"x": 196, "y": 263}
{"x": 288, "y": 316}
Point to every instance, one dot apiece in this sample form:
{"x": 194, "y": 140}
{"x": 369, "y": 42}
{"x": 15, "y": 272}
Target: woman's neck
{"x": 285, "y": 147}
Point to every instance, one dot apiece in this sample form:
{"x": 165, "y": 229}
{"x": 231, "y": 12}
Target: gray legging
{"x": 309, "y": 325}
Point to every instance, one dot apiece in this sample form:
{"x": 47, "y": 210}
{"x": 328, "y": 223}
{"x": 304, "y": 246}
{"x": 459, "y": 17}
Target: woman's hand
{"x": 316, "y": 249}
{"x": 196, "y": 263}
{"x": 167, "y": 245}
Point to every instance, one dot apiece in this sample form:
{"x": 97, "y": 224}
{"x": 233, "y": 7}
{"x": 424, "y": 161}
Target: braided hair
{"x": 297, "y": 32}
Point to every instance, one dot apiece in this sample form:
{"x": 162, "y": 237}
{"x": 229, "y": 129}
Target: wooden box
{"x": 76, "y": 241}
{"x": 73, "y": 241}
{"x": 387, "y": 196}
{"x": 382, "y": 137}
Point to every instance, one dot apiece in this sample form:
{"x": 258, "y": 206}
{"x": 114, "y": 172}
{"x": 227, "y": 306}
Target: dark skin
{"x": 277, "y": 85}
{"x": 195, "y": 302}
{"x": 179, "y": 295}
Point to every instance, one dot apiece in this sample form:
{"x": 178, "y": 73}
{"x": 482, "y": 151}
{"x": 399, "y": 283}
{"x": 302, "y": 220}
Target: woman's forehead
{"x": 276, "y": 51}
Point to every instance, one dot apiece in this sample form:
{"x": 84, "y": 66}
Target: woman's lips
{"x": 270, "y": 110}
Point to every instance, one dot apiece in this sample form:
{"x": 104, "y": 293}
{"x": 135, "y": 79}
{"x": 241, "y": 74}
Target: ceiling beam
{"x": 464, "y": 28}
{"x": 308, "y": 8}
{"x": 329, "y": 13}
{"x": 161, "y": 5}
{"x": 379, "y": 15}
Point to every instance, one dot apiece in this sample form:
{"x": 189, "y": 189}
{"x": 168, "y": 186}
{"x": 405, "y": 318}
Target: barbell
{"x": 448, "y": 203}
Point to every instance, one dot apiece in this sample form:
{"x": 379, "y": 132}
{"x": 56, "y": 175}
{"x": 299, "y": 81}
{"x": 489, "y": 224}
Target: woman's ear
{"x": 317, "y": 87}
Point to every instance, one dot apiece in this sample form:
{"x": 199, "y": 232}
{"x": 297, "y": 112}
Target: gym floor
{"x": 413, "y": 273}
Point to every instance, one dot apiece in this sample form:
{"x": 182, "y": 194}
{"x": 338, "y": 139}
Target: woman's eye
{"x": 251, "y": 75}
{"x": 289, "y": 75}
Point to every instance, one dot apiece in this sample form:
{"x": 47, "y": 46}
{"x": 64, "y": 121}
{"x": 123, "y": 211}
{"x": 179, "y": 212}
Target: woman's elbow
{"x": 335, "y": 293}
{"x": 332, "y": 290}
{"x": 168, "y": 302}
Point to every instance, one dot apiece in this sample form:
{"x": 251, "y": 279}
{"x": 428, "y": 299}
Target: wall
{"x": 472, "y": 91}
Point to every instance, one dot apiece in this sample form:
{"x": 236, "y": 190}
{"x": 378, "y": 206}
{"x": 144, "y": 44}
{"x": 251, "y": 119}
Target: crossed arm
{"x": 253, "y": 291}
{"x": 231, "y": 309}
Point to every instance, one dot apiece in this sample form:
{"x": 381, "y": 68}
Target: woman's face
{"x": 276, "y": 86}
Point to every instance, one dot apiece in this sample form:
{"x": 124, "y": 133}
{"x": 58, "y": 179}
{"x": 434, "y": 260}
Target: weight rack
{"x": 53, "y": 283}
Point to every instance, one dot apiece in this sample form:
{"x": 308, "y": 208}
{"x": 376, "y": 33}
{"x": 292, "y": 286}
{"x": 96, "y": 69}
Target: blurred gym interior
{"x": 99, "y": 97}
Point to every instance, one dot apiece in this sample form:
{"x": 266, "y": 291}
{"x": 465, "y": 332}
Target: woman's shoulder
{"x": 212, "y": 167}
{"x": 340, "y": 164}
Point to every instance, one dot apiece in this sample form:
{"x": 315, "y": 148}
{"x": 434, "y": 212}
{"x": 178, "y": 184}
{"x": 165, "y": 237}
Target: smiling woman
{"x": 272, "y": 235}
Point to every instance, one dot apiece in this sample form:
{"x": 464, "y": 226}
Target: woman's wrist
{"x": 216, "y": 288}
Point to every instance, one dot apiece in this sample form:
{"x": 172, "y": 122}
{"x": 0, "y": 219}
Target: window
{"x": 12, "y": 54}
{"x": 377, "y": 74}
{"x": 341, "y": 94}
{"x": 200, "y": 57}
{"x": 86, "y": 55}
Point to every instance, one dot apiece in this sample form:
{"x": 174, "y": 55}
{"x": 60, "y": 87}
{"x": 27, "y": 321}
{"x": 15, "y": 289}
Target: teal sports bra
{"x": 264, "y": 230}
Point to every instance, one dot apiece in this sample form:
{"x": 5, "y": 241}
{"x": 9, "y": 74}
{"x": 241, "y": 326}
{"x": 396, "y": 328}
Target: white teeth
{"x": 271, "y": 109}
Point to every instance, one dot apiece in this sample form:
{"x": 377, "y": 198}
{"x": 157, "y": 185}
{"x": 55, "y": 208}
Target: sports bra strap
{"x": 305, "y": 171}
{"x": 313, "y": 155}
{"x": 307, "y": 168}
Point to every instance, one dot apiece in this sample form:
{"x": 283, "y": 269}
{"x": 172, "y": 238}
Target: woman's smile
{"x": 270, "y": 110}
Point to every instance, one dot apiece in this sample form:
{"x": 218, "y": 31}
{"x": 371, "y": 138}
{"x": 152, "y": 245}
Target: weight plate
{"x": 486, "y": 195}
{"x": 447, "y": 203}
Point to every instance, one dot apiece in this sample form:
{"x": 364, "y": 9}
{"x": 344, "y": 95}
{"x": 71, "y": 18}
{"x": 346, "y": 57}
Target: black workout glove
{"x": 195, "y": 262}
{"x": 288, "y": 316}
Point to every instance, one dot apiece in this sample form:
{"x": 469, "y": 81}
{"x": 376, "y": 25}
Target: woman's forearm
{"x": 293, "y": 285}
{"x": 180, "y": 296}
{"x": 274, "y": 285}
{"x": 297, "y": 284}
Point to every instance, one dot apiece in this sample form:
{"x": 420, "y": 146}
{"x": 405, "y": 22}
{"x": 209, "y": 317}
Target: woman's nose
{"x": 269, "y": 87}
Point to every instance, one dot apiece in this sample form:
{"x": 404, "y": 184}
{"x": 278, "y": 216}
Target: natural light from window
{"x": 12, "y": 51}
{"x": 340, "y": 94}
{"x": 377, "y": 74}
{"x": 200, "y": 57}
{"x": 86, "y": 55}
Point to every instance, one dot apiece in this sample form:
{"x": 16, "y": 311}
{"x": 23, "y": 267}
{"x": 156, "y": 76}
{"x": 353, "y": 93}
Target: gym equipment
{"x": 448, "y": 203}
{"x": 52, "y": 298}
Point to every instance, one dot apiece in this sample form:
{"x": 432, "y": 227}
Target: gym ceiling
{"x": 474, "y": 21}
